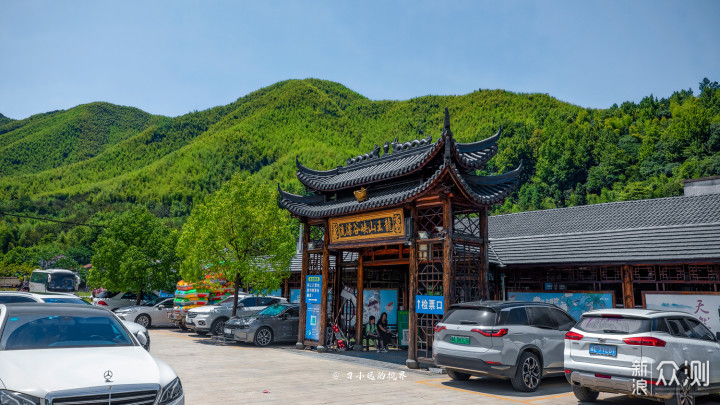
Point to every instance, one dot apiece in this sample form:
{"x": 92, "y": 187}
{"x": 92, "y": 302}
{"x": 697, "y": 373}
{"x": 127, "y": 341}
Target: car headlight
{"x": 171, "y": 392}
{"x": 17, "y": 398}
{"x": 127, "y": 310}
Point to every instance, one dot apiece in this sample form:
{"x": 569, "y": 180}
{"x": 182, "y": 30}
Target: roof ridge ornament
{"x": 447, "y": 121}
{"x": 399, "y": 147}
{"x": 375, "y": 153}
{"x": 447, "y": 133}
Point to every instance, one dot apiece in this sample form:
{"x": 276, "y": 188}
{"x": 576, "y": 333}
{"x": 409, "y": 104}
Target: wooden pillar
{"x": 448, "y": 276}
{"x": 412, "y": 287}
{"x": 322, "y": 324}
{"x": 628, "y": 294}
{"x": 359, "y": 303}
{"x": 303, "y": 277}
{"x": 337, "y": 286}
{"x": 484, "y": 260}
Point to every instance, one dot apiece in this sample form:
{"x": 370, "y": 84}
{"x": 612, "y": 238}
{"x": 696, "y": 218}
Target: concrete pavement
{"x": 279, "y": 374}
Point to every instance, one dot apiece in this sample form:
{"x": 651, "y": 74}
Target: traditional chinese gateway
{"x": 411, "y": 218}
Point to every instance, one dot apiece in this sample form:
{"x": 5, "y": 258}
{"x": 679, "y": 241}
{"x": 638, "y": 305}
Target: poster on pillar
{"x": 703, "y": 306}
{"x": 312, "y": 322}
{"x": 375, "y": 302}
{"x": 295, "y": 295}
{"x": 313, "y": 288}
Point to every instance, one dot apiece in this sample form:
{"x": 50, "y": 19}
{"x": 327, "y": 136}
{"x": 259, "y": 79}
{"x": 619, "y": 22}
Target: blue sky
{"x": 172, "y": 57}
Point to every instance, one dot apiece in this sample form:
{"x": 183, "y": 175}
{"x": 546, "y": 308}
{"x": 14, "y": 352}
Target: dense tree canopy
{"x": 136, "y": 253}
{"x": 241, "y": 232}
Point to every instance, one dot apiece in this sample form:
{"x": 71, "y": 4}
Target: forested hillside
{"x": 90, "y": 162}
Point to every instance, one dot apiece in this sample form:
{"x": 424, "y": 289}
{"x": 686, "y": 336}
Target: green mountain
{"x": 88, "y": 162}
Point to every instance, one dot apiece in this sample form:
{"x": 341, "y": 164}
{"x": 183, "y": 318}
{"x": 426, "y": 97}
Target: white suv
{"x": 664, "y": 355}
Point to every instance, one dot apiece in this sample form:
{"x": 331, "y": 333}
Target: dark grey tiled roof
{"x": 385, "y": 167}
{"x": 406, "y": 158}
{"x": 483, "y": 190}
{"x": 602, "y": 217}
{"x": 645, "y": 231}
{"x": 695, "y": 242}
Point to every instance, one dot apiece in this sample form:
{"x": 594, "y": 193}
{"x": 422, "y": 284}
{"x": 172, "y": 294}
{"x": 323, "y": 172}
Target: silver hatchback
{"x": 520, "y": 341}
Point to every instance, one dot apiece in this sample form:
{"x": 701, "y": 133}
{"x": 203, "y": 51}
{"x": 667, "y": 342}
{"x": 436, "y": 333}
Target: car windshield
{"x": 153, "y": 302}
{"x": 272, "y": 310}
{"x": 599, "y": 324}
{"x": 34, "y": 330}
{"x": 65, "y": 300}
{"x": 61, "y": 282}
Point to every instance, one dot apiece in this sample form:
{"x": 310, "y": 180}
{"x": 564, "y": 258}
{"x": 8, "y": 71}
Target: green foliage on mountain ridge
{"x": 572, "y": 155}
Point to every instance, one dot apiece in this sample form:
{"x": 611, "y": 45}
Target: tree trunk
{"x": 235, "y": 294}
{"x": 139, "y": 297}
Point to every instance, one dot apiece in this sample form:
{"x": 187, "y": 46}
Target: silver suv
{"x": 521, "y": 341}
{"x": 212, "y": 318}
{"x": 664, "y": 355}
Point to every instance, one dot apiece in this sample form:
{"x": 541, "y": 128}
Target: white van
{"x": 54, "y": 280}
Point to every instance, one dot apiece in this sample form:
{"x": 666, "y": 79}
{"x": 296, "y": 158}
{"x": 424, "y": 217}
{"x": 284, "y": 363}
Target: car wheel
{"x": 217, "y": 326}
{"x": 458, "y": 376}
{"x": 263, "y": 337}
{"x": 528, "y": 374}
{"x": 143, "y": 320}
{"x": 584, "y": 394}
{"x": 683, "y": 394}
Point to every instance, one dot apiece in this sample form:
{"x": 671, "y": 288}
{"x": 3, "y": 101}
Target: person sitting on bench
{"x": 383, "y": 331}
{"x": 371, "y": 333}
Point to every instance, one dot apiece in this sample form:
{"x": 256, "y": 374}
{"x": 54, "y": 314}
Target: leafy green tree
{"x": 240, "y": 231}
{"x": 135, "y": 253}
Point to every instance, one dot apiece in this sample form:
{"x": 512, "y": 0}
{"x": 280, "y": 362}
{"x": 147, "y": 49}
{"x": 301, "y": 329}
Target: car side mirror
{"x": 141, "y": 338}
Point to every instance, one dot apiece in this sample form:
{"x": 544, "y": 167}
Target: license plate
{"x": 188, "y": 320}
{"x": 603, "y": 350}
{"x": 228, "y": 331}
{"x": 460, "y": 340}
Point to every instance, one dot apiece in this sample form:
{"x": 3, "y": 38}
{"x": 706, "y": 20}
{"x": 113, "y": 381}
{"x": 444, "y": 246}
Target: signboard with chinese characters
{"x": 312, "y": 322}
{"x": 574, "y": 302}
{"x": 376, "y": 225}
{"x": 703, "y": 306}
{"x": 430, "y": 304}
{"x": 313, "y": 287}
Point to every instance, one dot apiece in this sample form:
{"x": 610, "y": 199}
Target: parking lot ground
{"x": 242, "y": 373}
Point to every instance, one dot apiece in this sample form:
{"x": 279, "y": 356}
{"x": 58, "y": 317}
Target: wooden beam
{"x": 628, "y": 294}
{"x": 359, "y": 304}
{"x": 485, "y": 258}
{"x": 337, "y": 287}
{"x": 389, "y": 262}
{"x": 411, "y": 361}
{"x": 322, "y": 324}
{"x": 303, "y": 277}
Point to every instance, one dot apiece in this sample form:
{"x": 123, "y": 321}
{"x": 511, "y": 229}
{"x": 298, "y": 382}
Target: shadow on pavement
{"x": 493, "y": 386}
